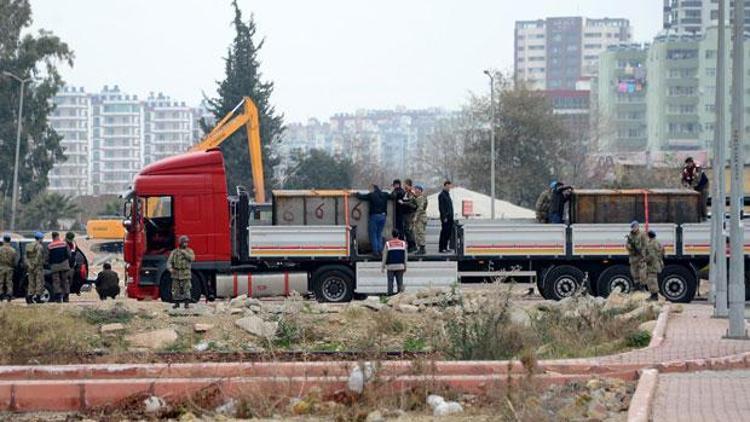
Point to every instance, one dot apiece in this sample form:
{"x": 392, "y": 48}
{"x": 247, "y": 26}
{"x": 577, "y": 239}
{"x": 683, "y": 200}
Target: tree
{"x": 317, "y": 169}
{"x": 532, "y": 144}
{"x": 45, "y": 211}
{"x": 243, "y": 78}
{"x": 37, "y": 56}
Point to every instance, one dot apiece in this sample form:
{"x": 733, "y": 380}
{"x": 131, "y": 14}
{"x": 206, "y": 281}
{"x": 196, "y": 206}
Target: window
{"x": 681, "y": 91}
{"x": 710, "y": 71}
{"x": 682, "y": 54}
{"x": 710, "y": 54}
{"x": 592, "y": 46}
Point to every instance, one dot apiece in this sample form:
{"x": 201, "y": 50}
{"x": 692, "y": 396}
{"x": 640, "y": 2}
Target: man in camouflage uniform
{"x": 409, "y": 205}
{"x": 654, "y": 264}
{"x": 636, "y": 246}
{"x": 7, "y": 266}
{"x": 35, "y": 269}
{"x": 420, "y": 219}
{"x": 543, "y": 204}
{"x": 179, "y": 264}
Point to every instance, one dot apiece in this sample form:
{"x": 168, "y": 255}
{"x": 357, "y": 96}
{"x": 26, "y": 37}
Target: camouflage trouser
{"x": 419, "y": 232}
{"x": 6, "y": 281}
{"x": 638, "y": 270}
{"x": 35, "y": 286}
{"x": 180, "y": 289}
{"x": 652, "y": 281}
{"x": 61, "y": 282}
{"x": 409, "y": 231}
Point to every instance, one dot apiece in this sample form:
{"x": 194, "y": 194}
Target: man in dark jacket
{"x": 107, "y": 283}
{"x": 560, "y": 196}
{"x": 445, "y": 205}
{"x": 58, "y": 256}
{"x": 378, "y": 211}
{"x": 397, "y": 194}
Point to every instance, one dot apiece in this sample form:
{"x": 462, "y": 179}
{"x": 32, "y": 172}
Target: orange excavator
{"x": 244, "y": 114}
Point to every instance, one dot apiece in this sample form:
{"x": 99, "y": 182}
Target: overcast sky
{"x": 324, "y": 56}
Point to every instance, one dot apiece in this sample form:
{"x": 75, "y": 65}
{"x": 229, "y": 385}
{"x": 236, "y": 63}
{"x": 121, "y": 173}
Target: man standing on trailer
{"x": 179, "y": 265}
{"x": 543, "y": 203}
{"x": 445, "y": 205}
{"x": 399, "y": 219}
{"x": 654, "y": 264}
{"x": 378, "y": 211}
{"x": 420, "y": 219}
{"x": 409, "y": 207}
{"x": 693, "y": 177}
{"x": 7, "y": 266}
{"x": 636, "y": 244}
{"x": 394, "y": 262}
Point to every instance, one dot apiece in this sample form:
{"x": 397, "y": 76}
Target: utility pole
{"x": 14, "y": 200}
{"x": 718, "y": 269}
{"x": 492, "y": 141}
{"x": 736, "y": 234}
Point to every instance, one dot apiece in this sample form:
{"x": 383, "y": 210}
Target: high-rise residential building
{"x": 71, "y": 119}
{"x": 619, "y": 120}
{"x": 674, "y": 108}
{"x": 168, "y": 127}
{"x": 573, "y": 107}
{"x": 118, "y": 140}
{"x": 695, "y": 16}
{"x": 555, "y": 53}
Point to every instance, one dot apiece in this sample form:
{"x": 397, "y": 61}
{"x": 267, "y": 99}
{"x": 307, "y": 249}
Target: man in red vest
{"x": 394, "y": 262}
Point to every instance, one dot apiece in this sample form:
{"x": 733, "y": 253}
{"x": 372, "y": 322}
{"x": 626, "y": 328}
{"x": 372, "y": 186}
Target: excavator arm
{"x": 244, "y": 114}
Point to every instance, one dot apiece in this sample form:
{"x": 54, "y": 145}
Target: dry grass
{"x": 43, "y": 334}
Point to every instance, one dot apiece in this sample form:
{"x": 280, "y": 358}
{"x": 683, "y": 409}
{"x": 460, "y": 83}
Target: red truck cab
{"x": 180, "y": 195}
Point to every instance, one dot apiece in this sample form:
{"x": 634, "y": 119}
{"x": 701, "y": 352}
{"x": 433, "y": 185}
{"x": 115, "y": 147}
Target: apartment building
{"x": 169, "y": 127}
{"x": 695, "y": 16}
{"x": 118, "y": 147}
{"x": 555, "y": 53}
{"x": 71, "y": 119}
{"x": 619, "y": 123}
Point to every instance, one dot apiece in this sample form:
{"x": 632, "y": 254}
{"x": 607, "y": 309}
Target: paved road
{"x": 703, "y": 396}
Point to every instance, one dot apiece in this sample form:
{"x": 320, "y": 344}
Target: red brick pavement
{"x": 702, "y": 396}
{"x": 691, "y": 334}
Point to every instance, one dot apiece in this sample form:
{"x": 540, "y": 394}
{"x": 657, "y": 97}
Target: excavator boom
{"x": 233, "y": 121}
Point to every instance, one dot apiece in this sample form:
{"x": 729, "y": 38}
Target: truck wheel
{"x": 333, "y": 284}
{"x": 165, "y": 287}
{"x": 678, "y": 284}
{"x": 563, "y": 281}
{"x": 196, "y": 286}
{"x": 615, "y": 276}
{"x": 540, "y": 282}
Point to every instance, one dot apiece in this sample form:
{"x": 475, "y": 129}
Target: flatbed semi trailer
{"x": 187, "y": 195}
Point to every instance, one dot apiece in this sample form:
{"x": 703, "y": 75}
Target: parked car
{"x": 20, "y": 278}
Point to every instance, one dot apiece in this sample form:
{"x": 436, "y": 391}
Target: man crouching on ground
{"x": 107, "y": 283}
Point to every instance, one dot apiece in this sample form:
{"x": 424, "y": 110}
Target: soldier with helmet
{"x": 8, "y": 259}
{"x": 34, "y": 258}
{"x": 654, "y": 264}
{"x": 636, "y": 245}
{"x": 420, "y": 219}
{"x": 179, "y": 265}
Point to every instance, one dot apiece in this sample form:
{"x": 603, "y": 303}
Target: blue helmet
{"x": 553, "y": 184}
{"x": 38, "y": 235}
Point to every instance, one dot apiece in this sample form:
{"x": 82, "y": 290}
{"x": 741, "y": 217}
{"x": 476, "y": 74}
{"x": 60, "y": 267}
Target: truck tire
{"x": 333, "y": 283}
{"x": 165, "y": 287}
{"x": 540, "y": 282}
{"x": 678, "y": 284}
{"x": 612, "y": 277}
{"x": 563, "y": 281}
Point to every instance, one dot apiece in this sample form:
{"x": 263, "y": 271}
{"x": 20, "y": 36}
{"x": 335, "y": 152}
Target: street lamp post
{"x": 492, "y": 141}
{"x": 14, "y": 199}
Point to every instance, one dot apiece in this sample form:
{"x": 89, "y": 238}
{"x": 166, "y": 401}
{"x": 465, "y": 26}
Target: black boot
{"x": 421, "y": 251}
{"x": 9, "y": 297}
{"x": 654, "y": 297}
{"x": 37, "y": 299}
{"x": 66, "y": 298}
{"x": 176, "y": 305}
{"x": 29, "y": 300}
{"x": 187, "y": 303}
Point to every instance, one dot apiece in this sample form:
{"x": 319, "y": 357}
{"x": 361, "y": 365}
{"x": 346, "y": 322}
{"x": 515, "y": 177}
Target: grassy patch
{"x": 42, "y": 335}
{"x": 116, "y": 314}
